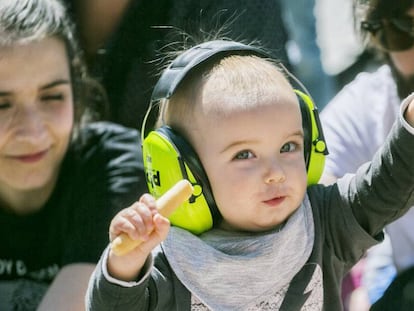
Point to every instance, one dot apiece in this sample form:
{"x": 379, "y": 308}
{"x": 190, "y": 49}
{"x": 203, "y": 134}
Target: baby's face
{"x": 254, "y": 161}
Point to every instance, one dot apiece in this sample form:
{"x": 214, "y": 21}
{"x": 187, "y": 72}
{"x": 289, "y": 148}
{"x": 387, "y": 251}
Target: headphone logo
{"x": 152, "y": 176}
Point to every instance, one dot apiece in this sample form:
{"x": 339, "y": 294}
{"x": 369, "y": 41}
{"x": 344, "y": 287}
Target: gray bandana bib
{"x": 235, "y": 270}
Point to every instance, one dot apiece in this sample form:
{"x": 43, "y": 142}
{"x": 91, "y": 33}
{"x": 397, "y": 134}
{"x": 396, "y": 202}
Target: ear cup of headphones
{"x": 168, "y": 158}
{"x": 314, "y": 143}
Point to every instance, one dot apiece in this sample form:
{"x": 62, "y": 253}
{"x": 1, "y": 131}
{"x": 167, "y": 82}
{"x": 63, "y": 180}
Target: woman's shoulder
{"x": 380, "y": 76}
{"x": 106, "y": 135}
{"x": 369, "y": 97}
{"x": 99, "y": 144}
{"x": 106, "y": 129}
{"x": 376, "y": 84}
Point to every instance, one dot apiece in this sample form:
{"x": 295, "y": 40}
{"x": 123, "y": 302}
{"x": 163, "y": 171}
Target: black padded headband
{"x": 183, "y": 64}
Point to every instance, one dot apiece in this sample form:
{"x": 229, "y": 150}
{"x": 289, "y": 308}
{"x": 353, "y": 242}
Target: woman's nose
{"x": 29, "y": 123}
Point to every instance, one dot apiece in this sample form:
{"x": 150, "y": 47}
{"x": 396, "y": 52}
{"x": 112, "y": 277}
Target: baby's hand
{"x": 135, "y": 231}
{"x": 140, "y": 221}
{"x": 137, "y": 221}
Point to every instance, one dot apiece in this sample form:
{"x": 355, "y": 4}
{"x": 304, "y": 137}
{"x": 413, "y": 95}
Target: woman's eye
{"x": 245, "y": 154}
{"x": 4, "y": 105}
{"x": 53, "y": 97}
{"x": 288, "y": 147}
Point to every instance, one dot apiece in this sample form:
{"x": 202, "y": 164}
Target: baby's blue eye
{"x": 245, "y": 154}
{"x": 288, "y": 147}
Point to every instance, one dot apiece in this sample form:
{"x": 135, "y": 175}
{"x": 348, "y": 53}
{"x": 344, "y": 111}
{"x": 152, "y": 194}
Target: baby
{"x": 270, "y": 240}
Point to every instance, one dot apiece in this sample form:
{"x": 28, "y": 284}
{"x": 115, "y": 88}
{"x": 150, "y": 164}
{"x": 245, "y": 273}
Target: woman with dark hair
{"x": 62, "y": 177}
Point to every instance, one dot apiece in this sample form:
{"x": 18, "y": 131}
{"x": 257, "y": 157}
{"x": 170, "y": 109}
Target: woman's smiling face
{"x": 36, "y": 113}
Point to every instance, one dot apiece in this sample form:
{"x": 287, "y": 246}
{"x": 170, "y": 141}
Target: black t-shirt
{"x": 101, "y": 174}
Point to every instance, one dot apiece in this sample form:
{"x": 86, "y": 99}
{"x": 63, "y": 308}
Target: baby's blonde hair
{"x": 232, "y": 83}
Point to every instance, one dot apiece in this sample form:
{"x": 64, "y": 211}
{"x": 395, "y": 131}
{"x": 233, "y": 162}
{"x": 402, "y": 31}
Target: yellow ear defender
{"x": 168, "y": 157}
{"x": 315, "y": 145}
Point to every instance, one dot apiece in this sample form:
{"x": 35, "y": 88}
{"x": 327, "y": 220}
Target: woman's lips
{"x": 32, "y": 157}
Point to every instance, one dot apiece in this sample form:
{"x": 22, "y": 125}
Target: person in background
{"x": 62, "y": 176}
{"x": 304, "y": 52}
{"x": 358, "y": 119}
{"x": 125, "y": 40}
{"x": 343, "y": 55}
{"x": 399, "y": 295}
{"x": 265, "y": 239}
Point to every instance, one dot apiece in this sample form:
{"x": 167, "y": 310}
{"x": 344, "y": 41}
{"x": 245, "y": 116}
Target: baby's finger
{"x": 149, "y": 201}
{"x": 141, "y": 218}
{"x": 121, "y": 224}
{"x": 135, "y": 221}
{"x": 162, "y": 226}
{"x": 159, "y": 234}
